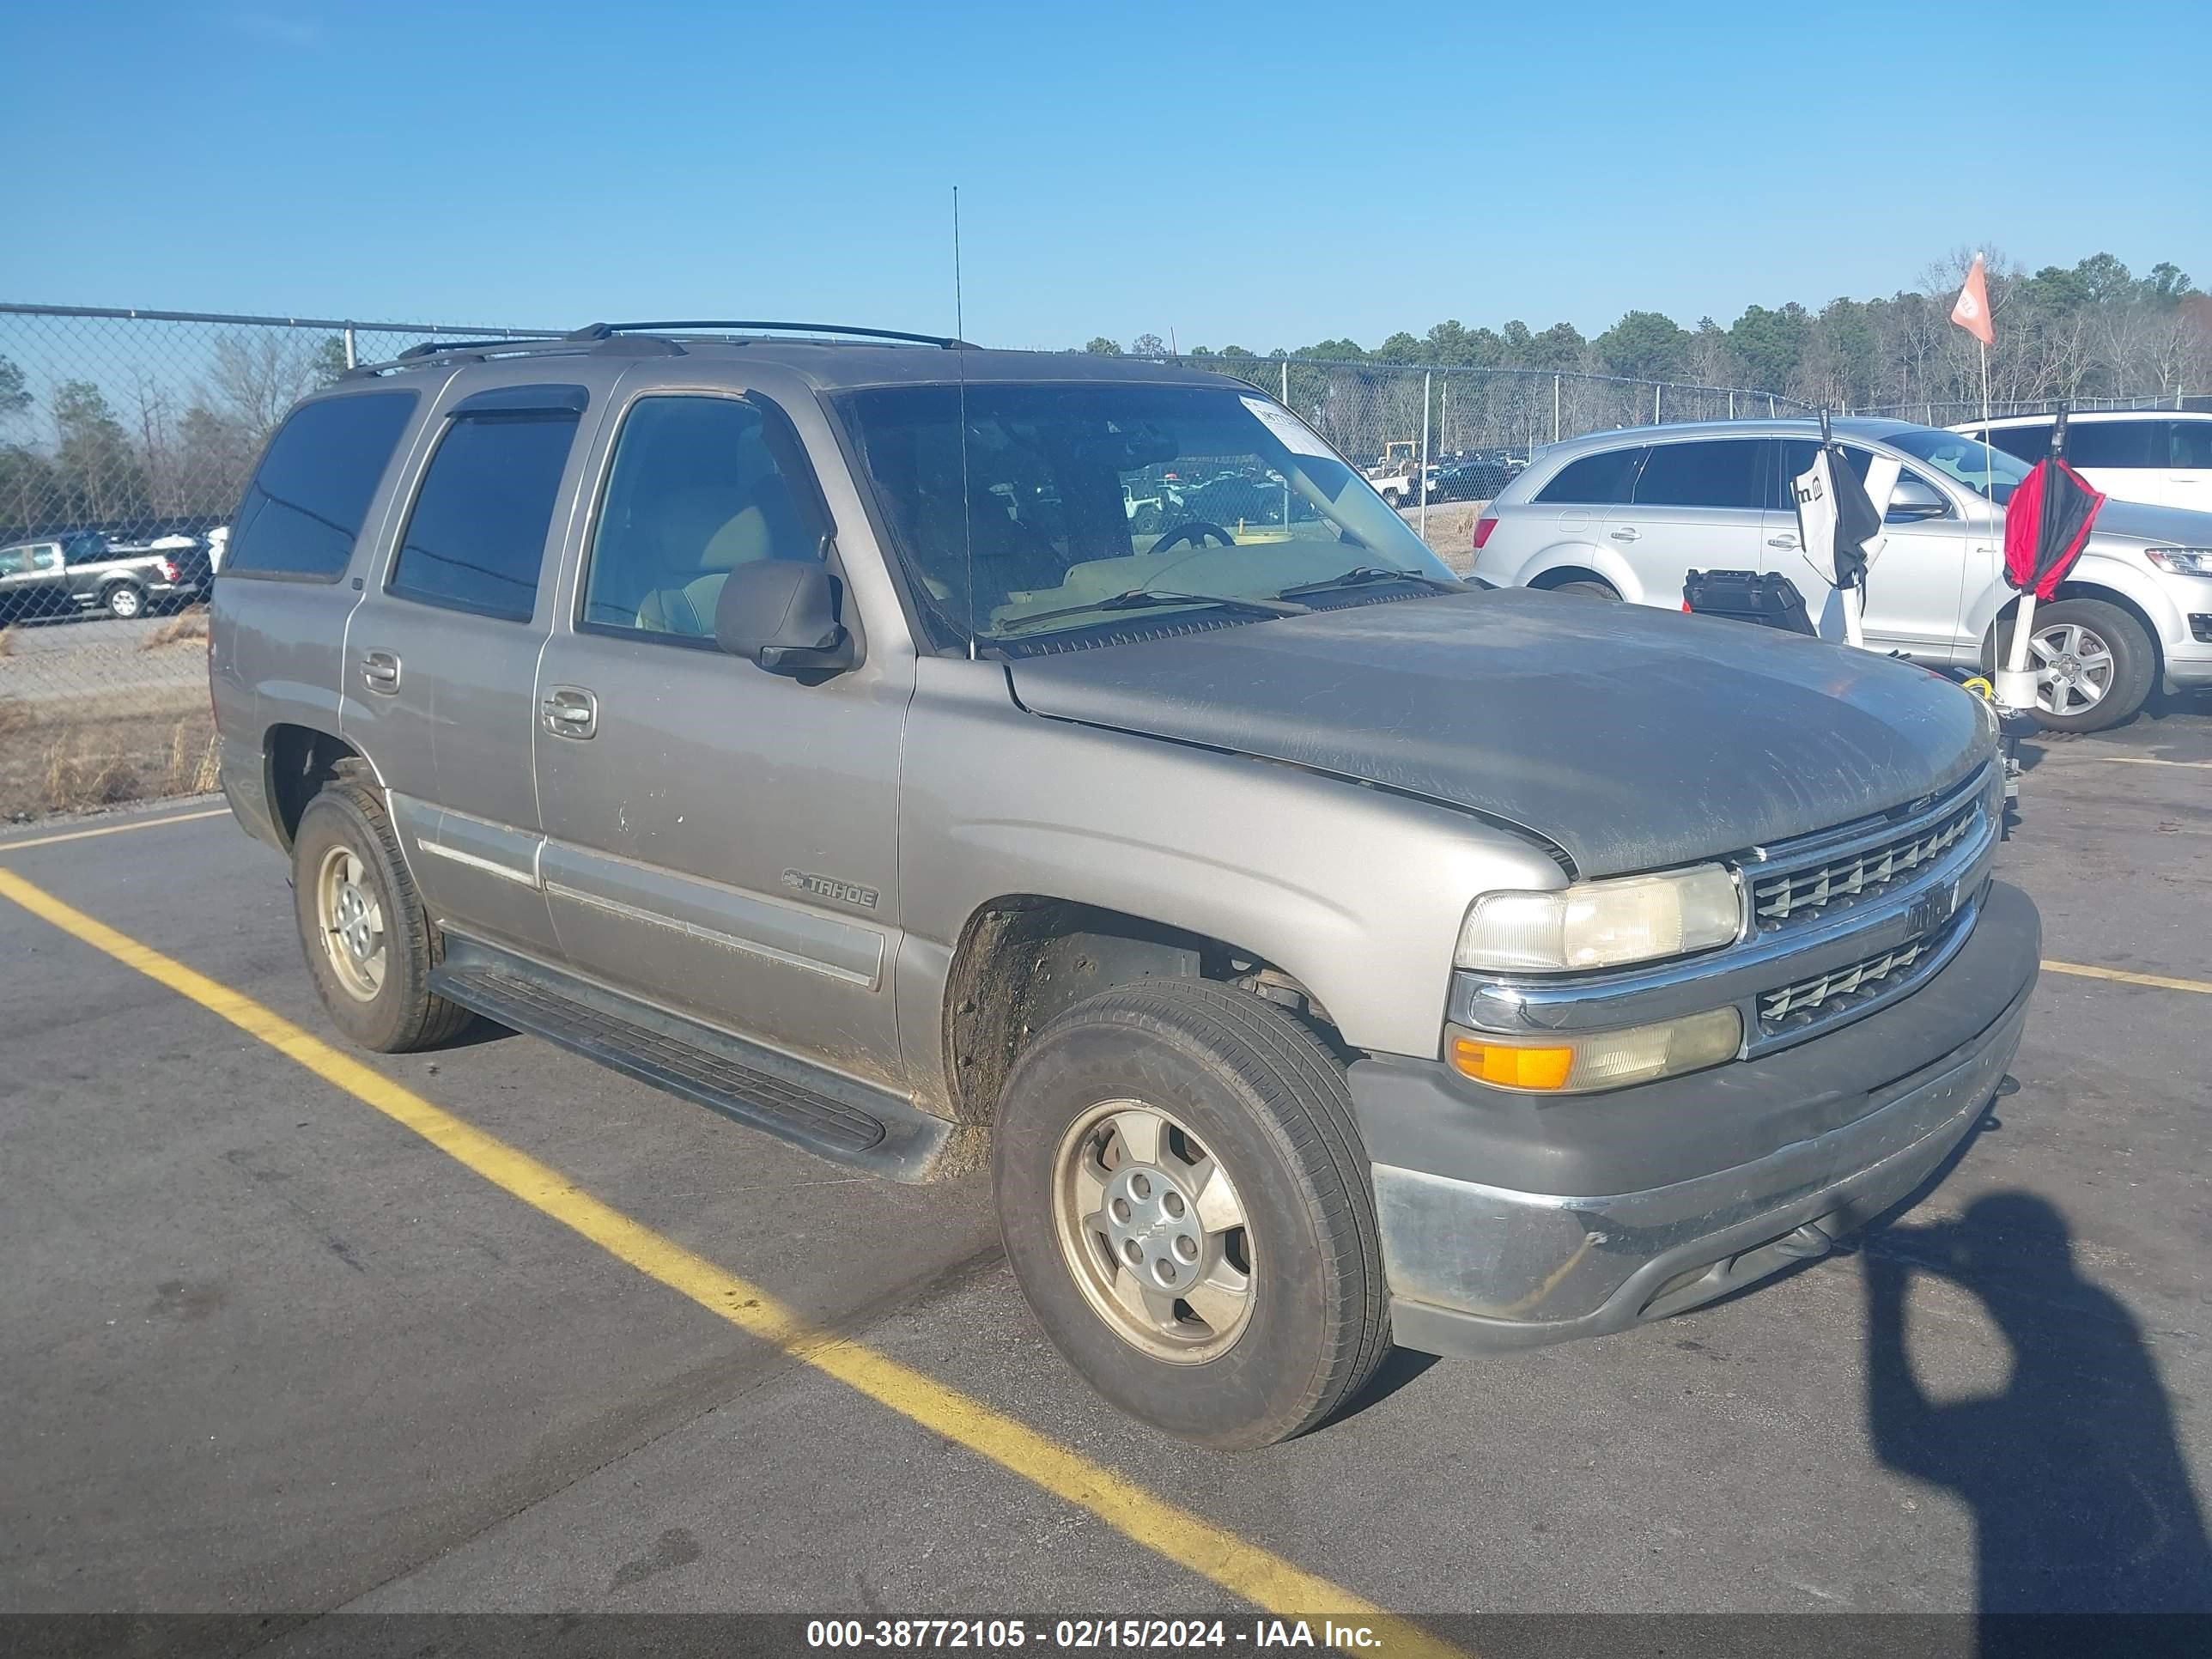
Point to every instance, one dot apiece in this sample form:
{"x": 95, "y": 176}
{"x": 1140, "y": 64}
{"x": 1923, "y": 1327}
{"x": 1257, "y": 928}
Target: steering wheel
{"x": 1194, "y": 531}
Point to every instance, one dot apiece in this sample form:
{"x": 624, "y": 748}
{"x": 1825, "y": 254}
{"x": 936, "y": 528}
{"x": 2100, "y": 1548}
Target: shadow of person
{"x": 2081, "y": 1499}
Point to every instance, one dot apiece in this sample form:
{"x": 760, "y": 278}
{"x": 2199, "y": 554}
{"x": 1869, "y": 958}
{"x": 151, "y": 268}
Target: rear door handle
{"x": 1626, "y": 533}
{"x": 569, "y": 711}
{"x": 379, "y": 672}
{"x": 1782, "y": 541}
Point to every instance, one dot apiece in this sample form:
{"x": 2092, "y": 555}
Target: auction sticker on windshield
{"x": 1297, "y": 436}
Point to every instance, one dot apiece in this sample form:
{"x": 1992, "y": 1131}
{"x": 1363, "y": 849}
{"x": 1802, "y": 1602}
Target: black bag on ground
{"x": 1749, "y": 596}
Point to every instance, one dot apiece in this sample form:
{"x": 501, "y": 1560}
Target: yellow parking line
{"x": 2162, "y": 981}
{"x": 113, "y": 829}
{"x": 1242, "y": 1569}
{"x": 2129, "y": 760}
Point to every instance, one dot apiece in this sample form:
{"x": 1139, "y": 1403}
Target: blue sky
{"x": 1263, "y": 174}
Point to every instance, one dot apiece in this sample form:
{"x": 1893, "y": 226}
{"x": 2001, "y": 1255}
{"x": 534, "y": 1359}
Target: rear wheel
{"x": 2094, "y": 664}
{"x": 1186, "y": 1205}
{"x": 123, "y": 601}
{"x": 1589, "y": 590}
{"x": 369, "y": 944}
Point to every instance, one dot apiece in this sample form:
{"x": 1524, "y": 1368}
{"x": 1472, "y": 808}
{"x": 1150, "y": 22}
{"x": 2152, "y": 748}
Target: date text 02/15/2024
{"x": 1086, "y": 1635}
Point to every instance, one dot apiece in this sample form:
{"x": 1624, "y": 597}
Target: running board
{"x": 831, "y": 1116}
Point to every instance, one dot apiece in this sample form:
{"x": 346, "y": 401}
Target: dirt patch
{"x": 7, "y": 642}
{"x": 1450, "y": 533}
{"x": 182, "y": 628}
{"x": 71, "y": 755}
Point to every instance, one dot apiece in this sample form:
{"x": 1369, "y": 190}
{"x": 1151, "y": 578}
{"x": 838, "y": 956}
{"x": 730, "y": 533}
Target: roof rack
{"x": 604, "y": 330}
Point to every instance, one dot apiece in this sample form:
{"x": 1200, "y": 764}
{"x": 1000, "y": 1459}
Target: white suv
{"x": 1628, "y": 515}
{"x": 2161, "y": 456}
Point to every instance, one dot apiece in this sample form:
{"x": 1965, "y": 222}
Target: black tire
{"x": 402, "y": 1014}
{"x": 1588, "y": 590}
{"x": 1268, "y": 1102}
{"x": 2135, "y": 660}
{"x": 123, "y": 601}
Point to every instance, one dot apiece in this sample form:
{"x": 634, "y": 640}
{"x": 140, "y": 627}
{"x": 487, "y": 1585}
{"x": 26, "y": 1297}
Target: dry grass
{"x": 73, "y": 755}
{"x": 185, "y": 626}
{"x": 7, "y": 642}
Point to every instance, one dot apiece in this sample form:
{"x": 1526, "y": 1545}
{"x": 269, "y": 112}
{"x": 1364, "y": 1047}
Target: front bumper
{"x": 1751, "y": 1166}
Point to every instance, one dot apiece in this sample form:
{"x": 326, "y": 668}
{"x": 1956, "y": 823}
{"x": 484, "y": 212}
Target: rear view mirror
{"x": 1913, "y": 498}
{"x": 783, "y": 614}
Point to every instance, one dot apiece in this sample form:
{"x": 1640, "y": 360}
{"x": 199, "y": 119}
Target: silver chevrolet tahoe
{"x": 1323, "y": 951}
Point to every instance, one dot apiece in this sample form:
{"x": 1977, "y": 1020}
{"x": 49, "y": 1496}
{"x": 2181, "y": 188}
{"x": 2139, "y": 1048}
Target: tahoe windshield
{"x": 1084, "y": 501}
{"x": 1987, "y": 472}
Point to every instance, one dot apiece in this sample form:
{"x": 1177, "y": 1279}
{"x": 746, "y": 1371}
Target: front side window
{"x": 1964, "y": 461}
{"x": 1057, "y": 506}
{"x": 2189, "y": 444}
{"x": 476, "y": 537}
{"x": 1722, "y": 472}
{"x": 1601, "y": 480}
{"x": 695, "y": 491}
{"x": 304, "y": 508}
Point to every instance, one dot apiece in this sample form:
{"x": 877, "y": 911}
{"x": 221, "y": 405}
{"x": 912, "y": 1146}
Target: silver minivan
{"x": 1628, "y": 515}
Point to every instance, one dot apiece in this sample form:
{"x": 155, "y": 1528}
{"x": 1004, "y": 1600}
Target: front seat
{"x": 700, "y": 547}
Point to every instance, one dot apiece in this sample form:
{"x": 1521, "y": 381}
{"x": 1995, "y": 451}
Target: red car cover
{"x": 2046, "y": 522}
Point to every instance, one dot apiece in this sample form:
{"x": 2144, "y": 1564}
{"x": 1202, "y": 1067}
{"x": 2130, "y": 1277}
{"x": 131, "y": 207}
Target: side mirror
{"x": 1913, "y": 499}
{"x": 782, "y": 614}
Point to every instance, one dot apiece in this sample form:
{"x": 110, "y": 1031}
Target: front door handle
{"x": 379, "y": 672}
{"x": 569, "y": 711}
{"x": 1626, "y": 533}
{"x": 1782, "y": 541}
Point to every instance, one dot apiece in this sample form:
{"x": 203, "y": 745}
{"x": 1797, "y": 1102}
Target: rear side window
{"x": 476, "y": 535}
{"x": 2113, "y": 443}
{"x": 1718, "y": 472}
{"x": 1601, "y": 480}
{"x": 303, "y": 511}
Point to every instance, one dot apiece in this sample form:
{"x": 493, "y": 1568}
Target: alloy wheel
{"x": 1152, "y": 1227}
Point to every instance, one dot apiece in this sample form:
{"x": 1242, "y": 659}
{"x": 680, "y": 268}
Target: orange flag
{"x": 1973, "y": 310}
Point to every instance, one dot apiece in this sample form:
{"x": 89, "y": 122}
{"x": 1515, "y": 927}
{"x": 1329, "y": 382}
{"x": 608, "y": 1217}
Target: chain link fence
{"x": 126, "y": 437}
{"x": 125, "y": 440}
{"x": 1959, "y": 412}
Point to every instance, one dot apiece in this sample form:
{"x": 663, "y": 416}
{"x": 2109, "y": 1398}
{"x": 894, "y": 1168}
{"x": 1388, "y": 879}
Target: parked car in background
{"x": 1628, "y": 515}
{"x": 62, "y": 574}
{"x": 2163, "y": 456}
{"x": 1474, "y": 477}
{"x": 805, "y": 727}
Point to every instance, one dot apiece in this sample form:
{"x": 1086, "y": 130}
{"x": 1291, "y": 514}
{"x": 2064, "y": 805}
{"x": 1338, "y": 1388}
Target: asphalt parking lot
{"x": 296, "y": 1332}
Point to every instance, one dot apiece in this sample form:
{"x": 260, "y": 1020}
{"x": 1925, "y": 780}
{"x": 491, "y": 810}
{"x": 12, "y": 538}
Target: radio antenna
{"x": 960, "y": 351}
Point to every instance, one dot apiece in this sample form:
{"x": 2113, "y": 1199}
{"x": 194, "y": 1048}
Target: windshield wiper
{"x": 1139, "y": 599}
{"x": 1361, "y": 575}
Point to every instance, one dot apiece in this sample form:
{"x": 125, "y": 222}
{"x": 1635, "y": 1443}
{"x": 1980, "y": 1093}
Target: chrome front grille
{"x": 1806, "y": 890}
{"x": 1805, "y": 1003}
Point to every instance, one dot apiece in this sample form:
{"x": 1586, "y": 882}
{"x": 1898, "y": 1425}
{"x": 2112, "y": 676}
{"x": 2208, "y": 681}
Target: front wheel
{"x": 2094, "y": 664}
{"x": 1186, "y": 1205}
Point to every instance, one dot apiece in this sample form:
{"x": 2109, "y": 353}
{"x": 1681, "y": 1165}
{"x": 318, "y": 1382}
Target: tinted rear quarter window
{"x": 476, "y": 537}
{"x": 1599, "y": 480}
{"x": 303, "y": 511}
{"x": 1720, "y": 472}
{"x": 2029, "y": 443}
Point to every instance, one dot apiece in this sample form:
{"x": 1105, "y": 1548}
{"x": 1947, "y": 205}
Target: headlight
{"x": 2181, "y": 561}
{"x": 1601, "y": 1060}
{"x": 1602, "y": 924}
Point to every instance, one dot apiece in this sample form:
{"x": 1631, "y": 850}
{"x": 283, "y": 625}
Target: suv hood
{"x": 1632, "y": 738}
{"x": 2152, "y": 526}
